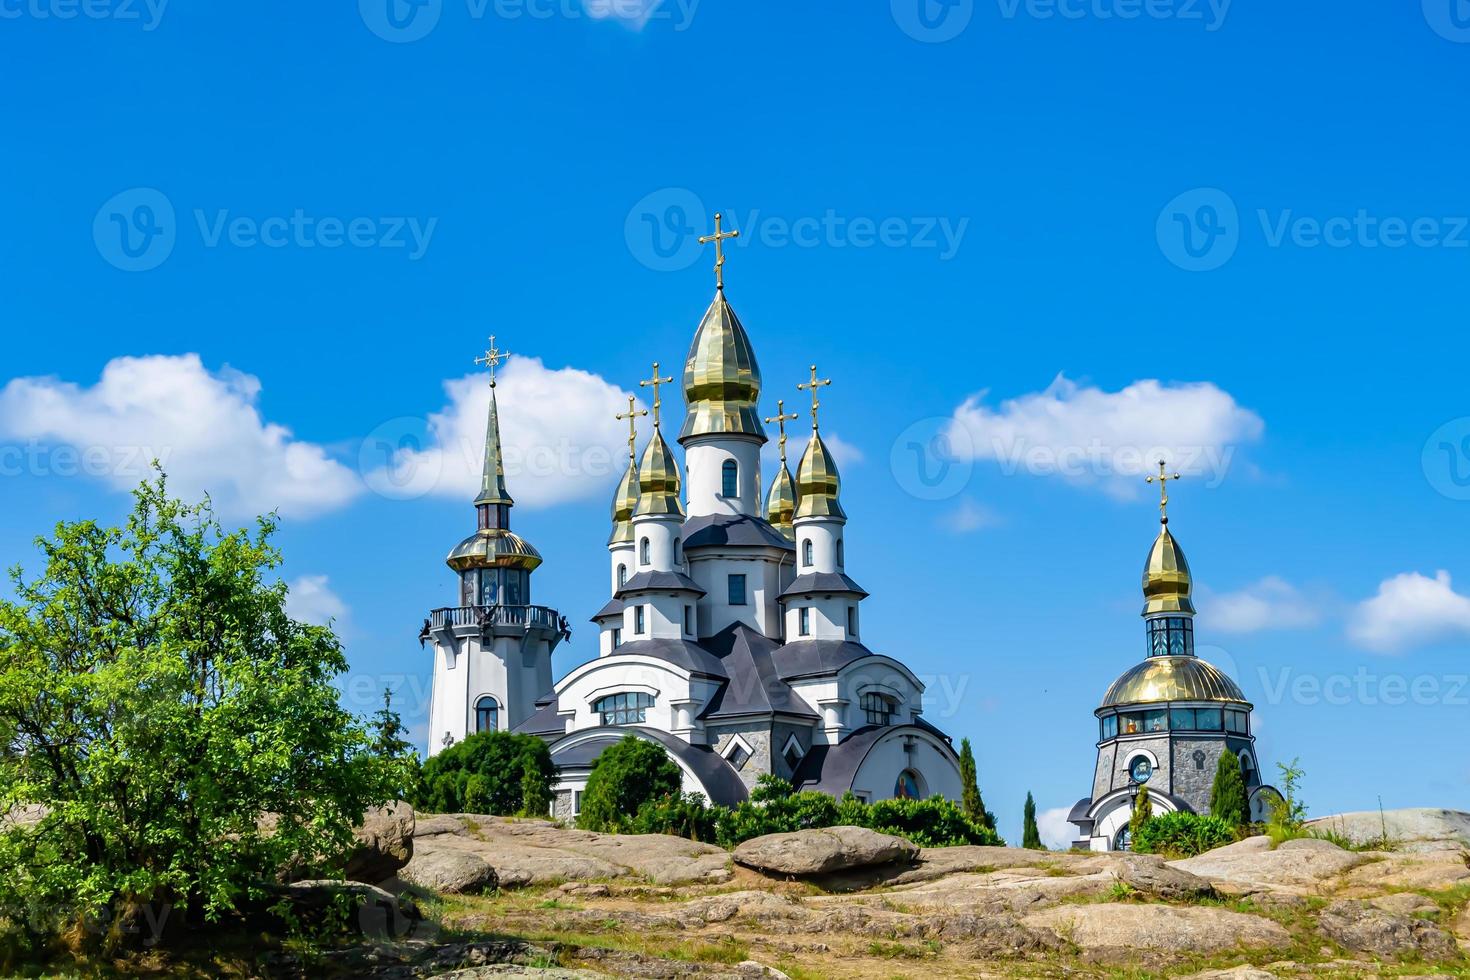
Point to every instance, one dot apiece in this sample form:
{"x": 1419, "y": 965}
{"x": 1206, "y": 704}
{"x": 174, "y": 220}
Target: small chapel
{"x": 732, "y": 635}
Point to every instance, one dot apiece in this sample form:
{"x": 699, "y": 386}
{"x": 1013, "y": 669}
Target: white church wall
{"x": 823, "y": 535}
{"x": 705, "y": 464}
{"x": 678, "y": 697}
{"x": 762, "y": 585}
{"x": 920, "y": 752}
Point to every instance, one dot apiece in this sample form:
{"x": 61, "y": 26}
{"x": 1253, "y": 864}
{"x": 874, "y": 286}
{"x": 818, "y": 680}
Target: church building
{"x": 732, "y": 637}
{"x": 1165, "y": 723}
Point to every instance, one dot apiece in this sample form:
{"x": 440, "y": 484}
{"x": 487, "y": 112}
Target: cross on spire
{"x": 1163, "y": 479}
{"x": 632, "y": 417}
{"x": 812, "y": 386}
{"x": 492, "y": 359}
{"x": 781, "y": 418}
{"x": 719, "y": 239}
{"x": 653, "y": 383}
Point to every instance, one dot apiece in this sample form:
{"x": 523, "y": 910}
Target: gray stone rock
{"x": 1360, "y": 927}
{"x": 450, "y": 872}
{"x": 22, "y": 815}
{"x": 1149, "y": 874}
{"x": 384, "y": 844}
{"x": 1120, "y": 930}
{"x": 814, "y": 852}
{"x": 374, "y": 912}
{"x": 1299, "y": 865}
{"x": 1420, "y": 829}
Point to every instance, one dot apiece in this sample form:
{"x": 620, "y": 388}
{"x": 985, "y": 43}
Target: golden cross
{"x": 813, "y": 385}
{"x": 632, "y": 417}
{"x": 781, "y": 419}
{"x": 719, "y": 239}
{"x": 1163, "y": 479}
{"x": 492, "y": 359}
{"x": 653, "y": 383}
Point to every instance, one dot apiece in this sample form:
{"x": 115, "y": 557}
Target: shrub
{"x": 497, "y": 773}
{"x": 935, "y": 822}
{"x": 684, "y": 815}
{"x": 1182, "y": 835}
{"x": 1227, "y": 796}
{"x": 625, "y": 776}
{"x": 1143, "y": 811}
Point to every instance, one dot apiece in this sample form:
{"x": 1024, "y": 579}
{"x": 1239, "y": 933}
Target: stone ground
{"x": 574, "y": 904}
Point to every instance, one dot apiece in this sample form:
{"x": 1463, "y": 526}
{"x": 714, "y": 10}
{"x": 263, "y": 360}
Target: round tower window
{"x": 1141, "y": 770}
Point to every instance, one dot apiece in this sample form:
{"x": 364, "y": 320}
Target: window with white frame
{"x": 628, "y": 708}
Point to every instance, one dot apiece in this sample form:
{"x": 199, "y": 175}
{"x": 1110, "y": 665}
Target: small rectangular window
{"x": 852, "y": 620}
{"x": 804, "y": 616}
{"x": 617, "y": 638}
{"x": 1209, "y": 720}
{"x": 1235, "y": 722}
{"x": 737, "y": 590}
{"x": 1110, "y": 727}
{"x": 1182, "y": 720}
{"x": 689, "y": 620}
{"x": 576, "y": 803}
{"x": 638, "y": 620}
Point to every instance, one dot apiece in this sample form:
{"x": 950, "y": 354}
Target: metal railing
{"x": 543, "y": 617}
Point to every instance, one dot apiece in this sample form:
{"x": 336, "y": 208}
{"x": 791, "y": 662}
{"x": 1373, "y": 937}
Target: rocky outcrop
{"x": 384, "y": 844}
{"x": 1413, "y": 830}
{"x": 817, "y": 852}
{"x": 1364, "y": 928}
{"x": 453, "y": 872}
{"x": 1122, "y": 929}
{"x": 1150, "y": 875}
{"x": 1297, "y": 866}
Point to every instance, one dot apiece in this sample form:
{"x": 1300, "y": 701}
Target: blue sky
{"x": 1094, "y": 229}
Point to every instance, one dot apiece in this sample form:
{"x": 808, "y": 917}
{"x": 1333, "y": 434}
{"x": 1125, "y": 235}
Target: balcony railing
{"x": 543, "y": 617}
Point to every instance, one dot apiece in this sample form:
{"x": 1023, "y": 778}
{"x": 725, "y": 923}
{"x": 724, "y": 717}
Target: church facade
{"x": 732, "y": 636}
{"x": 1166, "y": 721}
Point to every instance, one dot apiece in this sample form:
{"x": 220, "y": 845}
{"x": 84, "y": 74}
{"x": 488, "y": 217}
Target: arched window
{"x": 806, "y": 553}
{"x": 622, "y": 575}
{"x": 645, "y": 550}
{"x": 630, "y": 708}
{"x": 907, "y": 786}
{"x": 730, "y": 479}
{"x": 1124, "y": 839}
{"x": 487, "y": 715}
{"x": 878, "y": 709}
{"x": 840, "y": 562}
{"x": 678, "y": 551}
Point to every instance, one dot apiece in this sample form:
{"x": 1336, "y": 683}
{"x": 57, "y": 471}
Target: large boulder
{"x": 384, "y": 844}
{"x": 372, "y": 911}
{"x": 1363, "y": 928}
{"x": 453, "y": 872}
{"x": 1421, "y": 829}
{"x": 1149, "y": 874}
{"x": 1122, "y": 929}
{"x": 815, "y": 852}
{"x": 1297, "y": 866}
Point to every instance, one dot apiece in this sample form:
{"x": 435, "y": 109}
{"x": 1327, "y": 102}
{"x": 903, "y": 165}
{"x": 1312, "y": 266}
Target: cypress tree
{"x": 1228, "y": 799}
{"x": 971, "y": 801}
{"x": 1143, "y": 811}
{"x": 1030, "y": 833}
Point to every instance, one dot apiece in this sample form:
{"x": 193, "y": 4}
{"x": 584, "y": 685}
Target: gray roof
{"x": 681, "y": 653}
{"x": 816, "y": 658}
{"x": 659, "y": 582}
{"x": 614, "y": 607}
{"x": 754, "y": 686}
{"x": 544, "y": 720}
{"x": 721, "y": 781}
{"x": 1079, "y": 812}
{"x": 832, "y": 768}
{"x": 822, "y": 582}
{"x": 739, "y": 530}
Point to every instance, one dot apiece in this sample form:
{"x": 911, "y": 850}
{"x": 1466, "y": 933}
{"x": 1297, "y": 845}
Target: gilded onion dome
{"x": 1161, "y": 679}
{"x": 625, "y": 501}
{"x": 1166, "y": 578}
{"x": 722, "y": 382}
{"x": 658, "y": 480}
{"x": 818, "y": 483}
{"x": 781, "y": 502}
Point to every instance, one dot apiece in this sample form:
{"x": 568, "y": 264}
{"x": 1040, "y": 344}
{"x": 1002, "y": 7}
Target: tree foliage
{"x": 626, "y": 775}
{"x": 497, "y": 773}
{"x": 1182, "y": 835}
{"x": 1030, "y": 832}
{"x": 970, "y": 799}
{"x": 179, "y": 728}
{"x": 1228, "y": 799}
{"x": 1143, "y": 811}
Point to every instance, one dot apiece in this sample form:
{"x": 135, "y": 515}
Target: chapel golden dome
{"x": 625, "y": 501}
{"x": 818, "y": 483}
{"x": 1161, "y": 679}
{"x": 658, "y": 480}
{"x": 781, "y": 502}
{"x": 1166, "y": 579}
{"x": 722, "y": 382}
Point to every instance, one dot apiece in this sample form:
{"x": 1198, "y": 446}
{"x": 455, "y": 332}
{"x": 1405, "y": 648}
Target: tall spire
{"x": 492, "y": 481}
{"x": 625, "y": 501}
{"x": 659, "y": 483}
{"x": 781, "y": 502}
{"x": 1167, "y": 581}
{"x": 818, "y": 483}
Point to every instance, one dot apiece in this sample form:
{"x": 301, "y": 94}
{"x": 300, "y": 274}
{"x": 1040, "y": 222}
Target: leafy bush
{"x": 625, "y": 776}
{"x": 497, "y": 773}
{"x": 684, "y": 815}
{"x": 1182, "y": 835}
{"x": 1227, "y": 794}
{"x": 935, "y": 822}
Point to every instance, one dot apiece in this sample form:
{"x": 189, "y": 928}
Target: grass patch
{"x": 898, "y": 951}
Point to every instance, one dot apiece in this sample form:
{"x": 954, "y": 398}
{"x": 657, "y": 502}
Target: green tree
{"x": 626, "y": 775}
{"x": 180, "y": 729}
{"x": 970, "y": 800}
{"x": 1030, "y": 833}
{"x": 1287, "y": 809}
{"x": 497, "y": 773}
{"x": 1227, "y": 796}
{"x": 1143, "y": 811}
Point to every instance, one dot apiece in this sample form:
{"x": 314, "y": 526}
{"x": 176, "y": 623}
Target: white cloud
{"x": 632, "y": 13}
{"x": 968, "y": 517}
{"x": 1410, "y": 610}
{"x": 204, "y": 427}
{"x": 1056, "y": 832}
{"x": 311, "y": 600}
{"x": 1271, "y": 603}
{"x": 559, "y": 436}
{"x": 1110, "y": 440}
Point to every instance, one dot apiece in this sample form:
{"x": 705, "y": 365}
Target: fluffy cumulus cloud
{"x": 1271, "y": 603}
{"x": 311, "y": 600}
{"x": 1056, "y": 832}
{"x": 1410, "y": 610}
{"x": 558, "y": 433}
{"x": 969, "y": 516}
{"x": 1107, "y": 439}
{"x": 203, "y": 426}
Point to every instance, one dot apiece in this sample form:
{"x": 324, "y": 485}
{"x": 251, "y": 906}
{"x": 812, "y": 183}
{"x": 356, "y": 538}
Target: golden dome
{"x": 818, "y": 482}
{"x": 722, "y": 382}
{"x": 781, "y": 502}
{"x": 1166, "y": 578}
{"x": 494, "y": 548}
{"x": 658, "y": 480}
{"x": 625, "y": 501}
{"x": 1160, "y": 679}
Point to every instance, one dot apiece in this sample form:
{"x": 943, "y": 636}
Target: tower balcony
{"x": 495, "y": 620}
